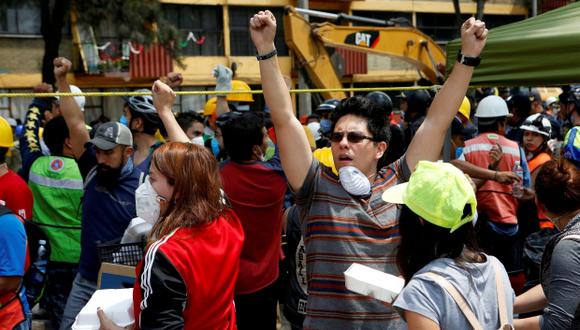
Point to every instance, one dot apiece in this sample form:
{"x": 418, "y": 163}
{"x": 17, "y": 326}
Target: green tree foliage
{"x": 140, "y": 21}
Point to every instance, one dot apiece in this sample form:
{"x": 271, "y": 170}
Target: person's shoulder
{"x": 10, "y": 223}
{"x": 569, "y": 244}
{"x": 15, "y": 182}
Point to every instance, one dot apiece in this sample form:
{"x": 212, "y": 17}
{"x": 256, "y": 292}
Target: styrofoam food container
{"x": 371, "y": 282}
{"x": 116, "y": 303}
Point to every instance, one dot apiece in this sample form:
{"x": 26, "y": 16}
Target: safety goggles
{"x": 352, "y": 137}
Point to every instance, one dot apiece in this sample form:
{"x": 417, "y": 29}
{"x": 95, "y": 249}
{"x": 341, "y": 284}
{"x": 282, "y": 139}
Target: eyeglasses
{"x": 197, "y": 133}
{"x": 352, "y": 137}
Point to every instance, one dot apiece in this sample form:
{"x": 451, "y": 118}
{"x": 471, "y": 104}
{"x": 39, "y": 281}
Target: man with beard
{"x": 110, "y": 181}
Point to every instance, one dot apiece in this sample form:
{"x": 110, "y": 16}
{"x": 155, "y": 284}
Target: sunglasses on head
{"x": 352, "y": 137}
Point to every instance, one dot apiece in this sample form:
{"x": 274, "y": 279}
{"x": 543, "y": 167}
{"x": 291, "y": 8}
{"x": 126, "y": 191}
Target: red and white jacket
{"x": 187, "y": 278}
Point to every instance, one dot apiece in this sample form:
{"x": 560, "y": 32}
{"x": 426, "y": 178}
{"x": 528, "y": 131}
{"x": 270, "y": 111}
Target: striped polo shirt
{"x": 340, "y": 229}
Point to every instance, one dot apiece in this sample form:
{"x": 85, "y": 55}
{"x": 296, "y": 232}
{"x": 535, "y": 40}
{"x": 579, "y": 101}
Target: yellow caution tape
{"x": 294, "y": 91}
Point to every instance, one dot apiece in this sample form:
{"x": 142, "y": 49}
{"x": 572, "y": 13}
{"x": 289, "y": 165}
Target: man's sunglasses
{"x": 352, "y": 137}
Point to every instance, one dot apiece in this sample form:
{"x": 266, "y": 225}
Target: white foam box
{"x": 371, "y": 282}
{"x": 116, "y": 303}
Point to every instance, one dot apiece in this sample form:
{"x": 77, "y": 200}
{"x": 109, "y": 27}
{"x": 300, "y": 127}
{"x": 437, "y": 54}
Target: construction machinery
{"x": 309, "y": 41}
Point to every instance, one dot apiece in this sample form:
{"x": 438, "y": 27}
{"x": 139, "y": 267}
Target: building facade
{"x": 211, "y": 32}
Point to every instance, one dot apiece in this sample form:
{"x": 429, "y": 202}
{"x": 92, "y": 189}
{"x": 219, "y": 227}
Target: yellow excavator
{"x": 308, "y": 42}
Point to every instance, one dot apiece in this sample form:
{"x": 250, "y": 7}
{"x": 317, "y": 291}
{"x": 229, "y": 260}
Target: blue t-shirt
{"x": 13, "y": 251}
{"x": 144, "y": 165}
{"x": 106, "y": 211}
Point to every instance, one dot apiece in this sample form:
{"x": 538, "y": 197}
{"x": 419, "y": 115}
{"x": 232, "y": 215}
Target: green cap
{"x": 438, "y": 193}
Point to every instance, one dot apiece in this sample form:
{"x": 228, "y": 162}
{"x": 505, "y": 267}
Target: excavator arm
{"x": 406, "y": 43}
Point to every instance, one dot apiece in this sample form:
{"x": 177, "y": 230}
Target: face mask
{"x": 197, "y": 140}
{"x": 243, "y": 107}
{"x": 123, "y": 121}
{"x": 325, "y": 125}
{"x": 354, "y": 181}
{"x": 146, "y": 202}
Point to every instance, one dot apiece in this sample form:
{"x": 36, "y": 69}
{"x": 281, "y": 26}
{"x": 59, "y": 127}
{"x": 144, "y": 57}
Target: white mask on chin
{"x": 198, "y": 140}
{"x": 146, "y": 202}
{"x": 354, "y": 181}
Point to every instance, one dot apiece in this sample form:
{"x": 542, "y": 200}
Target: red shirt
{"x": 256, "y": 192}
{"x": 15, "y": 192}
{"x": 187, "y": 278}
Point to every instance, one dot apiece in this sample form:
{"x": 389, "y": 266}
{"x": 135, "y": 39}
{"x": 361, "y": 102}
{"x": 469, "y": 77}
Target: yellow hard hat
{"x": 465, "y": 108}
{"x": 324, "y": 156}
{"x": 238, "y": 85}
{"x": 6, "y": 137}
{"x": 210, "y": 106}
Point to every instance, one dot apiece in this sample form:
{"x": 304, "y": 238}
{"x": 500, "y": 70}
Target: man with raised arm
{"x": 344, "y": 218}
{"x": 110, "y": 180}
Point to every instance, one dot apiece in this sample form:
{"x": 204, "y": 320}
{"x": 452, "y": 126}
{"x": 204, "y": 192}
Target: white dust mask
{"x": 354, "y": 181}
{"x": 198, "y": 140}
{"x": 146, "y": 202}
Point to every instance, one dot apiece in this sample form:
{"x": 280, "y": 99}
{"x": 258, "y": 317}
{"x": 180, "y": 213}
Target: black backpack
{"x": 35, "y": 278}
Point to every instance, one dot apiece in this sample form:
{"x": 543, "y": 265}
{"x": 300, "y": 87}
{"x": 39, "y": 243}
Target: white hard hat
{"x": 315, "y": 129}
{"x": 80, "y": 100}
{"x": 537, "y": 123}
{"x": 551, "y": 100}
{"x": 492, "y": 107}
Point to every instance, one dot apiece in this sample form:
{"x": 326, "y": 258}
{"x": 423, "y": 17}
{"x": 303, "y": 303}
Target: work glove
{"x": 223, "y": 77}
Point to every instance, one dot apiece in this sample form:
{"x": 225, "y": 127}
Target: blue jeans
{"x": 60, "y": 280}
{"x": 80, "y": 294}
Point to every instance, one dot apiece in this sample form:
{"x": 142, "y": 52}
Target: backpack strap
{"x": 501, "y": 303}
{"x": 459, "y": 300}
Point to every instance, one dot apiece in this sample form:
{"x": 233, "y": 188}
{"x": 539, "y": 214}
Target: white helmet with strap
{"x": 538, "y": 123}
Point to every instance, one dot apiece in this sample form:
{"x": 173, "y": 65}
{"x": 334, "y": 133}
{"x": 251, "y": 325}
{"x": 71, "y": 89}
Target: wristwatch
{"x": 469, "y": 61}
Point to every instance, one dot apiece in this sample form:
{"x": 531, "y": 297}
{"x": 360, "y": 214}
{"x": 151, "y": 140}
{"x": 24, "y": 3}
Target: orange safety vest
{"x": 538, "y": 161}
{"x": 11, "y": 309}
{"x": 535, "y": 164}
{"x": 494, "y": 199}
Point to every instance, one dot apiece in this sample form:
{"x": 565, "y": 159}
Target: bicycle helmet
{"x": 142, "y": 105}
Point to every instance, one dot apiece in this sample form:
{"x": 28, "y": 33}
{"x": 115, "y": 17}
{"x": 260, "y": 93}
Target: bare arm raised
{"x": 163, "y": 97}
{"x": 295, "y": 152}
{"x": 74, "y": 117}
{"x": 428, "y": 141}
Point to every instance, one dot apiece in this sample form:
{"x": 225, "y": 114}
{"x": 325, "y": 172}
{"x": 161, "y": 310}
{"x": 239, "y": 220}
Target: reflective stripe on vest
{"x": 494, "y": 199}
{"x": 57, "y": 188}
{"x": 55, "y": 183}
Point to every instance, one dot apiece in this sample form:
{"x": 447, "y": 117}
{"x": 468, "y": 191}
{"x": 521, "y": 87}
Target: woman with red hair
{"x": 188, "y": 274}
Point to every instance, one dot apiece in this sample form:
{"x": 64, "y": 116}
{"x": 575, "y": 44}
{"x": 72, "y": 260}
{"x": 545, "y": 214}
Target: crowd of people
{"x": 489, "y": 239}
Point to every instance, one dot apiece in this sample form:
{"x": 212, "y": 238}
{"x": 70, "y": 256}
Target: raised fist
{"x": 473, "y": 37}
{"x": 163, "y": 97}
{"x": 263, "y": 31}
{"x": 62, "y": 66}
